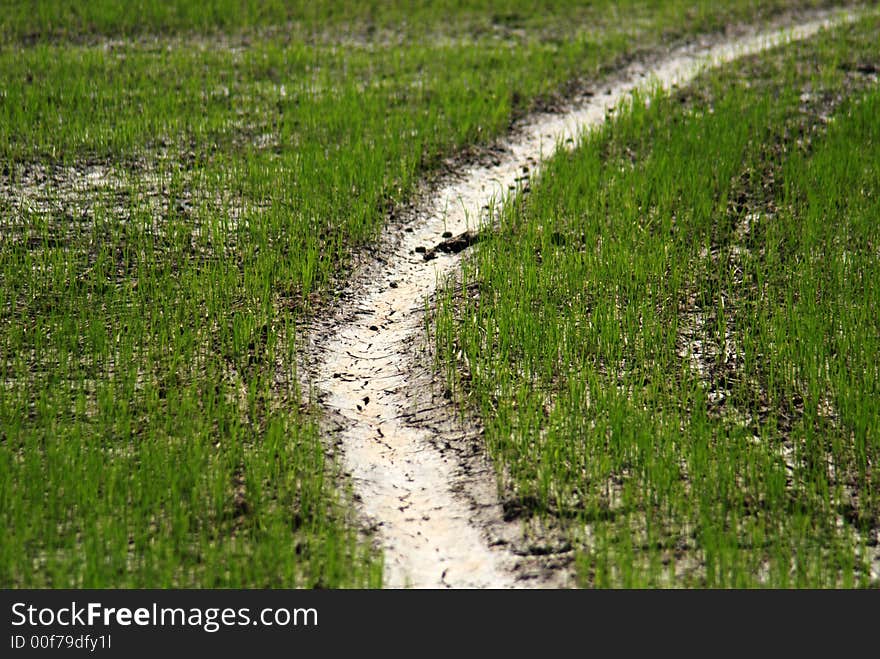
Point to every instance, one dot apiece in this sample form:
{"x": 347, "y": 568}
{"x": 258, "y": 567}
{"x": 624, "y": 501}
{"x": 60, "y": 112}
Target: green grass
{"x": 181, "y": 183}
{"x": 672, "y": 340}
{"x": 27, "y": 21}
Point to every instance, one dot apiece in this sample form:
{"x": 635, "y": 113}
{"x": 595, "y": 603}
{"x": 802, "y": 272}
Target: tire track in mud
{"x": 438, "y": 518}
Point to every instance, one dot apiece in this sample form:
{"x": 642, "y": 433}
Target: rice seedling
{"x": 672, "y": 339}
{"x": 181, "y": 187}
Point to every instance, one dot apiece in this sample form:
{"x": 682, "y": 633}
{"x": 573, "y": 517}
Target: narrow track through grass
{"x": 672, "y": 339}
{"x": 179, "y": 187}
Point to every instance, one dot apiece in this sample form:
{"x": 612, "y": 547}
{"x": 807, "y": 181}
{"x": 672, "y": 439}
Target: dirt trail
{"x": 432, "y": 519}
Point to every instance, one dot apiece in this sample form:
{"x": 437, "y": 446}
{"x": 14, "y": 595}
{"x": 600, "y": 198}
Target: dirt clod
{"x": 453, "y": 245}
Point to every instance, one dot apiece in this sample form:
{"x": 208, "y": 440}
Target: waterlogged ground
{"x": 179, "y": 197}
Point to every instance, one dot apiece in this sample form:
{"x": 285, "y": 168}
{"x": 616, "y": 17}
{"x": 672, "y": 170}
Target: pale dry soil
{"x": 418, "y": 467}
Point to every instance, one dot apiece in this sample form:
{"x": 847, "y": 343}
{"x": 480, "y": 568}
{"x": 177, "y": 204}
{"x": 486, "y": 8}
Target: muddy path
{"x": 419, "y": 473}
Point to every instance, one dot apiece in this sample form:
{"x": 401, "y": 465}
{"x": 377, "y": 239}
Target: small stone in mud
{"x": 374, "y": 328}
{"x": 366, "y": 400}
{"x": 392, "y": 284}
{"x": 420, "y": 249}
